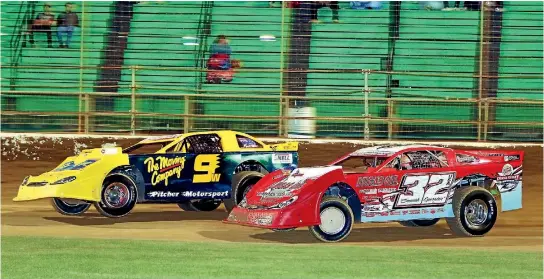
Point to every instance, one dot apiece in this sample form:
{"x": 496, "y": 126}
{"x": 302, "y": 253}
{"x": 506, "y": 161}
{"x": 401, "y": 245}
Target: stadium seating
{"x": 364, "y": 45}
{"x": 425, "y": 38}
{"x": 441, "y": 47}
{"x": 155, "y": 45}
{"x": 243, "y": 23}
{"x": 54, "y": 69}
{"x": 521, "y": 43}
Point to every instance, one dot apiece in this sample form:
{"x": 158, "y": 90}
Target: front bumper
{"x": 71, "y": 190}
{"x": 292, "y": 216}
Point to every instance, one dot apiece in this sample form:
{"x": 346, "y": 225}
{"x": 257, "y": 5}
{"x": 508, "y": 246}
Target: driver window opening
{"x": 181, "y": 147}
{"x": 419, "y": 160}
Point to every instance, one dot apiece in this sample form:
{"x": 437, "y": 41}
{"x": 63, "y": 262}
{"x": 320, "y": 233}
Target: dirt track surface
{"x": 516, "y": 230}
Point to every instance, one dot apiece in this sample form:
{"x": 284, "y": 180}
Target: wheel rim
{"x": 116, "y": 195}
{"x": 476, "y": 213}
{"x": 246, "y": 190}
{"x": 333, "y": 220}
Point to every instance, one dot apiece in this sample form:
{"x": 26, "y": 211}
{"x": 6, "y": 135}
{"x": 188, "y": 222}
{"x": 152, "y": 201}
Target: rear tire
{"x": 65, "y": 207}
{"x": 200, "y": 205}
{"x": 475, "y": 211}
{"x": 420, "y": 223}
{"x": 336, "y": 220}
{"x": 241, "y": 184}
{"x": 118, "y": 196}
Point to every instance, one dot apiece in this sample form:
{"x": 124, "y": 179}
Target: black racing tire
{"x": 241, "y": 183}
{"x": 475, "y": 211}
{"x": 420, "y": 223}
{"x": 340, "y": 208}
{"x": 119, "y": 205}
{"x": 66, "y": 208}
{"x": 200, "y": 205}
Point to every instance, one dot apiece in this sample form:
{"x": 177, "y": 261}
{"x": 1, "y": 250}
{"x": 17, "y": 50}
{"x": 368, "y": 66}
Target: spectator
{"x": 361, "y": 5}
{"x": 315, "y": 6}
{"x": 66, "y": 21}
{"x": 447, "y": 6}
{"x": 220, "y": 54}
{"x": 42, "y": 23}
{"x": 220, "y": 67}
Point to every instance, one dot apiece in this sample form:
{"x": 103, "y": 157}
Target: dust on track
{"x": 516, "y": 230}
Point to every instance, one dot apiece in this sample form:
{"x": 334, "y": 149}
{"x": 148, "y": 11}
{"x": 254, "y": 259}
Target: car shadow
{"x": 363, "y": 235}
{"x": 96, "y": 219}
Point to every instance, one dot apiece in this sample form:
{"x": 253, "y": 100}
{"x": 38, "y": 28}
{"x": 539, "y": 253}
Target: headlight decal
{"x": 284, "y": 203}
{"x": 64, "y": 180}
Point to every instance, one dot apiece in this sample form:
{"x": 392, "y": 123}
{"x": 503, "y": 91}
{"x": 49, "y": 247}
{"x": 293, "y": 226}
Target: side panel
{"x": 174, "y": 177}
{"x": 405, "y": 195}
{"x": 178, "y": 176}
{"x": 410, "y": 195}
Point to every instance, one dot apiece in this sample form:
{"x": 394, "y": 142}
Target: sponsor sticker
{"x": 282, "y": 158}
{"x": 163, "y": 168}
{"x": 377, "y": 181}
{"x": 163, "y": 194}
{"x": 109, "y": 151}
{"x": 371, "y": 191}
{"x": 511, "y": 158}
{"x": 201, "y": 194}
{"x": 386, "y": 190}
{"x": 507, "y": 180}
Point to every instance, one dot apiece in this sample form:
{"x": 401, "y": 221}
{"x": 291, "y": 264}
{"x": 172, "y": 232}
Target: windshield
{"x": 360, "y": 163}
{"x": 146, "y": 148}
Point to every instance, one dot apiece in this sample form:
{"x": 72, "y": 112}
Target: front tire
{"x": 118, "y": 196}
{"x": 66, "y": 207}
{"x": 420, "y": 223}
{"x": 200, "y": 205}
{"x": 336, "y": 220}
{"x": 242, "y": 182}
{"x": 475, "y": 212}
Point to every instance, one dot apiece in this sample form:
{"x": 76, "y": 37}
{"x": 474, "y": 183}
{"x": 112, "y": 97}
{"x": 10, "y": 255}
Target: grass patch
{"x": 40, "y": 257}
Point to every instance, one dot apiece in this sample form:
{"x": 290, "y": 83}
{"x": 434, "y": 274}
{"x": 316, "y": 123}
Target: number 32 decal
{"x": 419, "y": 190}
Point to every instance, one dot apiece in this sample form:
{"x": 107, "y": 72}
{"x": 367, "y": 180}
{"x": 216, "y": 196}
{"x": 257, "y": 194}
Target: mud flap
{"x": 511, "y": 199}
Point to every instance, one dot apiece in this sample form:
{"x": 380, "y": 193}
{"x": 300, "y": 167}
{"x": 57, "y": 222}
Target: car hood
{"x": 282, "y": 185}
{"x": 86, "y": 160}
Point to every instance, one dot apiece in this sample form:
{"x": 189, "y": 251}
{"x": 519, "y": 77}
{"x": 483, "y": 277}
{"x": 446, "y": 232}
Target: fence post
{"x": 486, "y": 118}
{"x": 186, "y": 112}
{"x": 479, "y": 120}
{"x": 389, "y": 122}
{"x": 282, "y": 46}
{"x": 83, "y": 99}
{"x": 366, "y": 115}
{"x": 133, "y": 101}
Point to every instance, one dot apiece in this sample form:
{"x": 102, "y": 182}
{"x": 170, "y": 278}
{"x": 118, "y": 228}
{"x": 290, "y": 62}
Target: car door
{"x": 424, "y": 180}
{"x": 190, "y": 169}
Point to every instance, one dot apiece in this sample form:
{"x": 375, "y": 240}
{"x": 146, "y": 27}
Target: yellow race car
{"x": 197, "y": 171}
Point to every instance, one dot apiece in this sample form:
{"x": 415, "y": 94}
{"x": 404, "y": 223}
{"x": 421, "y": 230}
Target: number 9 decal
{"x": 207, "y": 163}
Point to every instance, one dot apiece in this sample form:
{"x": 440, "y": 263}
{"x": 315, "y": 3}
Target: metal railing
{"x": 339, "y": 114}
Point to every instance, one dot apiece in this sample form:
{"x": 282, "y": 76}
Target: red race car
{"x": 414, "y": 185}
